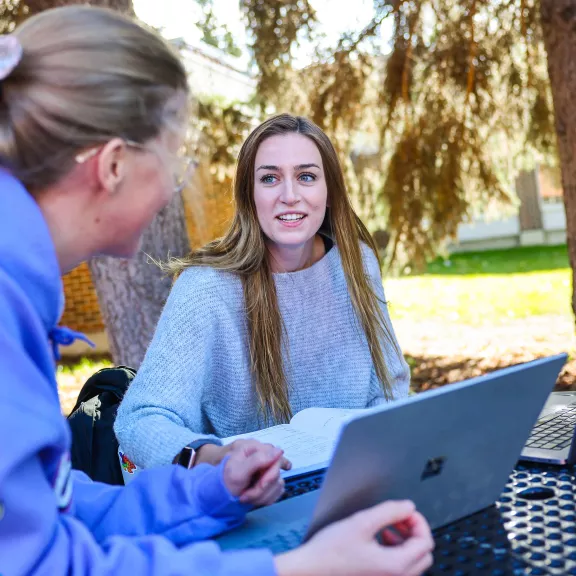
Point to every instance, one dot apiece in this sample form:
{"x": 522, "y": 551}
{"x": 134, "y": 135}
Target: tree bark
{"x": 559, "y": 28}
{"x": 132, "y": 292}
{"x": 528, "y": 191}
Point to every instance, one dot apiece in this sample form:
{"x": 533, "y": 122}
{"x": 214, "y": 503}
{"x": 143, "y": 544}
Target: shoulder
{"x": 207, "y": 277}
{"x": 370, "y": 260}
{"x": 205, "y": 286}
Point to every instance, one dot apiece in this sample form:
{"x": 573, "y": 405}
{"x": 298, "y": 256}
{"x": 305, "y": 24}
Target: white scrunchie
{"x": 10, "y": 54}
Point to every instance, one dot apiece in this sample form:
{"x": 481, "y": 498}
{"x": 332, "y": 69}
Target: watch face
{"x": 186, "y": 457}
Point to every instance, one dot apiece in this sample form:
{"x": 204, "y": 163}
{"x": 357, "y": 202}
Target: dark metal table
{"x": 530, "y": 531}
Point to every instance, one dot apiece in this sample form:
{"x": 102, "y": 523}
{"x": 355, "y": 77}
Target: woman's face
{"x": 289, "y": 189}
{"x": 148, "y": 186}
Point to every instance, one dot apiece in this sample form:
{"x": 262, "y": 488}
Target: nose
{"x": 289, "y": 194}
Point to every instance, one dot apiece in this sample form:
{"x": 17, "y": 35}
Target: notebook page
{"x": 304, "y": 450}
{"x": 325, "y": 422}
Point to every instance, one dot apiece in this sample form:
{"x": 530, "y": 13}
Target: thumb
{"x": 372, "y": 520}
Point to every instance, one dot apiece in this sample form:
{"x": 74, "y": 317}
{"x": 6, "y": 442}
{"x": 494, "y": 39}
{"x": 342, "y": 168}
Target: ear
{"x": 112, "y": 165}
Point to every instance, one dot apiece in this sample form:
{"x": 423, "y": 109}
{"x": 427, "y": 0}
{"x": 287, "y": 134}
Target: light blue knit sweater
{"x": 195, "y": 379}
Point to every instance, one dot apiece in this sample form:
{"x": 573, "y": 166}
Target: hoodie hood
{"x": 27, "y": 252}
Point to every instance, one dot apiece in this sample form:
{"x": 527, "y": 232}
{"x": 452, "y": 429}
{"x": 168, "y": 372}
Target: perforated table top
{"x": 531, "y": 530}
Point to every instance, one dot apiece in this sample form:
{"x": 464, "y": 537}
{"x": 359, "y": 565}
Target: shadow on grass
{"x": 430, "y": 372}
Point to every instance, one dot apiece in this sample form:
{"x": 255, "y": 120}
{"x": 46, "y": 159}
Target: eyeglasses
{"x": 182, "y": 169}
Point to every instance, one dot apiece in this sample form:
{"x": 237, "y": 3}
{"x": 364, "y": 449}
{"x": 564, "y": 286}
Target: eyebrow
{"x": 298, "y": 167}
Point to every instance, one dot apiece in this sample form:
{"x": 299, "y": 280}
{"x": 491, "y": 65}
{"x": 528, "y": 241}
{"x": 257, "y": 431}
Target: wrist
{"x": 293, "y": 563}
{"x": 209, "y": 454}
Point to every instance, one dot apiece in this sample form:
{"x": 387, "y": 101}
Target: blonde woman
{"x": 92, "y": 107}
{"x": 283, "y": 313}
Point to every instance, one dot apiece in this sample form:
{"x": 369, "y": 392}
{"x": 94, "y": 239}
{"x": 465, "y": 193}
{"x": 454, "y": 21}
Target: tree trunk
{"x": 559, "y": 28}
{"x": 132, "y": 292}
{"x": 528, "y": 191}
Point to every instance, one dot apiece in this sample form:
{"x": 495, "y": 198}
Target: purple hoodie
{"x": 55, "y": 521}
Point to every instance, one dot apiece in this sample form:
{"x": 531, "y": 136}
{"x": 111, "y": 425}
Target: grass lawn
{"x": 485, "y": 287}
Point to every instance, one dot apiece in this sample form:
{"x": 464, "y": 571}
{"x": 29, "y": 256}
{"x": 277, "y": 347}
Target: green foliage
{"x": 462, "y": 94}
{"x": 215, "y": 34}
{"x": 275, "y": 27}
{"x": 463, "y": 91}
{"x": 220, "y": 131}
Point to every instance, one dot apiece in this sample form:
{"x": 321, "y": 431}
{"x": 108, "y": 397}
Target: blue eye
{"x": 268, "y": 179}
{"x": 307, "y": 177}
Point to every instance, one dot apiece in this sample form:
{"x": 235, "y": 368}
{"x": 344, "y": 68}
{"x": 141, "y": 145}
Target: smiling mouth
{"x": 291, "y": 217}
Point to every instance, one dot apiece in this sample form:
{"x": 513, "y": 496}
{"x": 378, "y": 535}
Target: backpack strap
{"x": 82, "y": 421}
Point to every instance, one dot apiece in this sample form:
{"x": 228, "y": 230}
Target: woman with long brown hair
{"x": 285, "y": 312}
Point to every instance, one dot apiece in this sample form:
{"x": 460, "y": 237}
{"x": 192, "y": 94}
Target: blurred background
{"x": 453, "y": 123}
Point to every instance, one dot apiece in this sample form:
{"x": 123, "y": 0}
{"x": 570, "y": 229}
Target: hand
{"x": 349, "y": 547}
{"x": 252, "y": 472}
{"x": 213, "y": 454}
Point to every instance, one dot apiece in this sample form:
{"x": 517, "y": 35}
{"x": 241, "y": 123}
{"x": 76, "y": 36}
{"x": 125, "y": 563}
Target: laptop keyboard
{"x": 555, "y": 431}
{"x": 298, "y": 485}
{"x": 290, "y": 537}
{"x": 293, "y": 533}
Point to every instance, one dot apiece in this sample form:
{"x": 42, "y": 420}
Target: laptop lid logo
{"x": 433, "y": 467}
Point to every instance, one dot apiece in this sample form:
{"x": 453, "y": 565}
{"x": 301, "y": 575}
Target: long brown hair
{"x": 243, "y": 251}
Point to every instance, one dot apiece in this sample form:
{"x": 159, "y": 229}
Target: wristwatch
{"x": 188, "y": 454}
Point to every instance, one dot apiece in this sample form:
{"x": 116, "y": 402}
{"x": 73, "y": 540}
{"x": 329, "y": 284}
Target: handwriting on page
{"x": 301, "y": 448}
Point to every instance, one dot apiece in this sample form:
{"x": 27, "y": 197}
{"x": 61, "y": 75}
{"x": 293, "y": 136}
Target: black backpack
{"x": 94, "y": 445}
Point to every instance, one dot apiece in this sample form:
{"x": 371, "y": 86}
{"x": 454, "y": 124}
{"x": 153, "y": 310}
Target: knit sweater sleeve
{"x": 390, "y": 347}
{"x": 161, "y": 411}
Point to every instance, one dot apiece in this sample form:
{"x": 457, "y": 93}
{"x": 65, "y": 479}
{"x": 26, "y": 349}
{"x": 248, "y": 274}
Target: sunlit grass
{"x": 71, "y": 377}
{"x": 485, "y": 288}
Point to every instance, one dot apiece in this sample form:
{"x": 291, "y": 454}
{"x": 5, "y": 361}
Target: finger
{"x": 261, "y": 486}
{"x": 374, "y": 519}
{"x": 247, "y": 466}
{"x": 265, "y": 457}
{"x": 421, "y": 566}
{"x": 250, "y": 445}
{"x": 269, "y": 496}
{"x": 419, "y": 527}
{"x": 270, "y": 476}
{"x": 410, "y": 552}
{"x": 262, "y": 497}
{"x": 285, "y": 464}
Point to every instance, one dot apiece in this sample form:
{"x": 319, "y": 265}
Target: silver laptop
{"x": 553, "y": 439}
{"x": 450, "y": 450}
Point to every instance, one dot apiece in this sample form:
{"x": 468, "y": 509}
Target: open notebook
{"x": 309, "y": 440}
